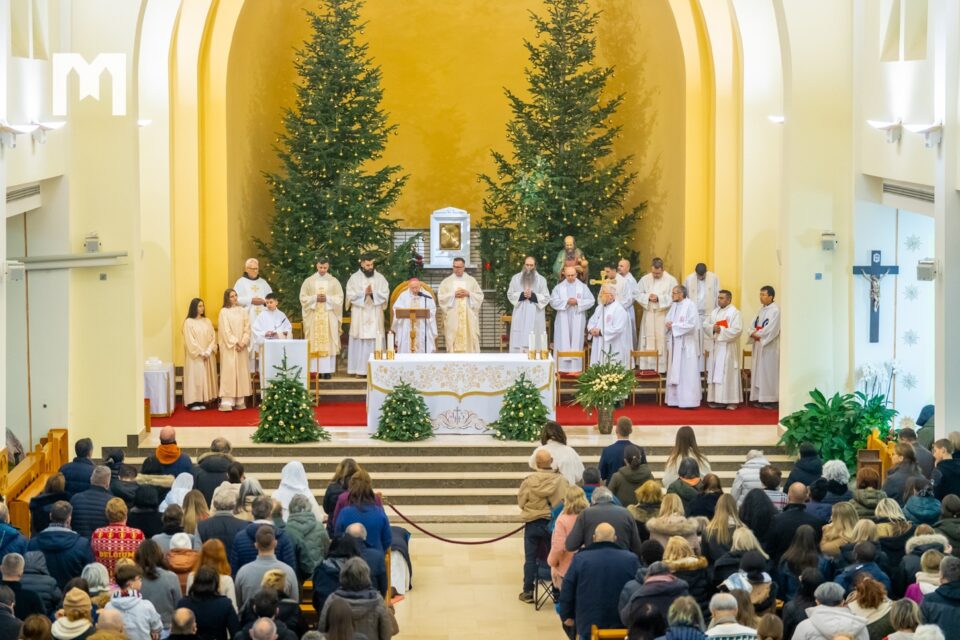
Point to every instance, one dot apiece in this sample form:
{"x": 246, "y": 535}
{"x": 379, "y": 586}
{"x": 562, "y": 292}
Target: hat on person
{"x": 180, "y": 541}
{"x": 77, "y": 600}
{"x": 658, "y": 568}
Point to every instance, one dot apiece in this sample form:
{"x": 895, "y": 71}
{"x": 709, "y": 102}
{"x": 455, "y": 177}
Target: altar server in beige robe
{"x": 683, "y": 367}
{"x": 321, "y": 306}
{"x": 654, "y": 293}
{"x": 460, "y": 298}
{"x": 529, "y": 295}
{"x": 415, "y": 298}
{"x": 723, "y": 364}
{"x": 199, "y": 370}
{"x": 704, "y": 287}
{"x": 234, "y": 335}
{"x": 571, "y": 299}
{"x": 766, "y": 351}
{"x": 367, "y": 296}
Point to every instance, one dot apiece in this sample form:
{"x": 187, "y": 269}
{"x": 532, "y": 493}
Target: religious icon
{"x": 450, "y": 236}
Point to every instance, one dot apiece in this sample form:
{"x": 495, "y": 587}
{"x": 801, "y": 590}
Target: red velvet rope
{"x": 442, "y": 539}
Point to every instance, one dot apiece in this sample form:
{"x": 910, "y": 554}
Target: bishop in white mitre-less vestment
{"x": 683, "y": 367}
{"x": 765, "y": 377}
{"x": 415, "y": 298}
{"x": 367, "y": 295}
{"x": 723, "y": 363}
{"x": 252, "y": 292}
{"x": 571, "y": 299}
{"x": 321, "y": 306}
{"x": 529, "y": 295}
{"x": 654, "y": 291}
{"x": 609, "y": 330}
{"x": 703, "y": 287}
{"x": 460, "y": 298}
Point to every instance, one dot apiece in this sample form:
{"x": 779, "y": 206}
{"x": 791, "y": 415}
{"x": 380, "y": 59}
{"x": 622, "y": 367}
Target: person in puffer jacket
{"x": 37, "y": 578}
{"x": 808, "y": 468}
{"x": 76, "y": 623}
{"x": 140, "y": 618}
{"x": 659, "y": 588}
{"x": 370, "y": 614}
{"x": 830, "y": 617}
{"x": 244, "y": 548}
{"x": 11, "y": 540}
{"x": 748, "y": 476}
{"x": 920, "y": 506}
{"x": 65, "y": 551}
{"x": 309, "y": 537}
{"x": 928, "y": 578}
{"x": 923, "y": 540}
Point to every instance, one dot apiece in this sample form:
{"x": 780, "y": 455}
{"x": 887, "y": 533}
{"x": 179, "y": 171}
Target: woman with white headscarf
{"x": 293, "y": 481}
{"x": 182, "y": 485}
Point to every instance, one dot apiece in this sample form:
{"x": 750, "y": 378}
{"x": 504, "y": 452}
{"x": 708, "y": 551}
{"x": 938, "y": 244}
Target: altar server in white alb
{"x": 571, "y": 299}
{"x": 271, "y": 324}
{"x": 683, "y": 370}
{"x": 529, "y": 295}
{"x": 367, "y": 295}
{"x": 723, "y": 364}
{"x": 765, "y": 337}
{"x": 460, "y": 298}
{"x": 233, "y": 337}
{"x": 321, "y": 306}
{"x": 252, "y": 293}
{"x": 623, "y": 268}
{"x": 609, "y": 329}
{"x": 703, "y": 287}
{"x": 654, "y": 295}
{"x": 415, "y": 298}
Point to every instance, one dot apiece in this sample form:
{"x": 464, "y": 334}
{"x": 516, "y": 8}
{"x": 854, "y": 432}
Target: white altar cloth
{"x": 272, "y": 354}
{"x": 158, "y": 387}
{"x": 463, "y": 391}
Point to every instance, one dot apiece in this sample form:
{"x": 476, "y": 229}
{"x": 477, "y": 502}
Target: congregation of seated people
{"x": 196, "y": 550}
{"x": 821, "y": 556}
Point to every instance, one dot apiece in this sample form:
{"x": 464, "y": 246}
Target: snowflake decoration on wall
{"x": 909, "y": 381}
{"x": 913, "y": 242}
{"x": 911, "y": 338}
{"x": 911, "y": 292}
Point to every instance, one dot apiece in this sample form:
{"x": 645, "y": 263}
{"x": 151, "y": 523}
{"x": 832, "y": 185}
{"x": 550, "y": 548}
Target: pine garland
{"x": 404, "y": 416}
{"x": 522, "y": 413}
{"x": 286, "y": 415}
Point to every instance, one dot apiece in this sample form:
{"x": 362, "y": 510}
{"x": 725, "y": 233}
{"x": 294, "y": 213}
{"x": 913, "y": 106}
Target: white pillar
{"x": 947, "y": 217}
{"x": 4, "y": 60}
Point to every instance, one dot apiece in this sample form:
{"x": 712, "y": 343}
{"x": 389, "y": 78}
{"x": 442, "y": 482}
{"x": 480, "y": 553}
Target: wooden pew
{"x": 24, "y": 476}
{"x": 4, "y": 470}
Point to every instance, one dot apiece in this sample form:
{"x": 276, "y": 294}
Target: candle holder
{"x": 391, "y": 355}
{"x": 377, "y": 354}
{"x": 544, "y": 355}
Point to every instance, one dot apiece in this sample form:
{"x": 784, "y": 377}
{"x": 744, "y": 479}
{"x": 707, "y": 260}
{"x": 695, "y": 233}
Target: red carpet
{"x": 354, "y": 414}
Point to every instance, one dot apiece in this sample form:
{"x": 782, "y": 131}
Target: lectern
{"x": 413, "y": 314}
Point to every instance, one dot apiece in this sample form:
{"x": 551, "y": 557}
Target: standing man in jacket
{"x": 539, "y": 493}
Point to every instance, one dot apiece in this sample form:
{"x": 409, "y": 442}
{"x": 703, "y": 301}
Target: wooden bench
{"x": 27, "y": 479}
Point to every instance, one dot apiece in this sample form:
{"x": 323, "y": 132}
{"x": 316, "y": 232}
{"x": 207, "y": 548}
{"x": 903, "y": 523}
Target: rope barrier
{"x": 442, "y": 539}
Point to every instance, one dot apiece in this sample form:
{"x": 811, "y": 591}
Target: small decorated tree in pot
{"x": 404, "y": 416}
{"x": 286, "y": 415}
{"x": 522, "y": 413}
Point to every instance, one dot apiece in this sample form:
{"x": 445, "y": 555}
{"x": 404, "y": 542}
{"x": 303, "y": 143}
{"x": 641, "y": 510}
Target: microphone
{"x": 423, "y": 295}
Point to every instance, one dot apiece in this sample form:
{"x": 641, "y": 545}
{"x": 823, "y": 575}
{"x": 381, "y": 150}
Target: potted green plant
{"x": 602, "y": 386}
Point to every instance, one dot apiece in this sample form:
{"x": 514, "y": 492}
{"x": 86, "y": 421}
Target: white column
{"x": 4, "y": 60}
{"x": 947, "y": 217}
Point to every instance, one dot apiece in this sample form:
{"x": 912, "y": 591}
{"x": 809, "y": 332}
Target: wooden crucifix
{"x": 875, "y": 272}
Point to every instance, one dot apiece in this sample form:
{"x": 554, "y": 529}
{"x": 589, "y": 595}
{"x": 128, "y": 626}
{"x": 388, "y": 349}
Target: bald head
{"x": 543, "y": 459}
{"x": 357, "y": 530}
{"x": 168, "y": 435}
{"x": 110, "y": 620}
{"x": 184, "y": 622}
{"x": 797, "y": 493}
{"x": 604, "y": 533}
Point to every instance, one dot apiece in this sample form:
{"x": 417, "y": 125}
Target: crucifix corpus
{"x": 874, "y": 272}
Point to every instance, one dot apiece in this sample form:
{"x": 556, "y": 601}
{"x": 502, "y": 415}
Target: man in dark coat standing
{"x": 946, "y": 476}
{"x": 604, "y": 511}
{"x": 66, "y": 552}
{"x": 211, "y": 468}
{"x": 593, "y": 582}
{"x": 611, "y": 458}
{"x": 785, "y": 524}
{"x": 89, "y": 507}
{"x": 9, "y": 624}
{"x": 77, "y": 473}
{"x": 808, "y": 468}
{"x": 942, "y": 607}
{"x": 222, "y": 524}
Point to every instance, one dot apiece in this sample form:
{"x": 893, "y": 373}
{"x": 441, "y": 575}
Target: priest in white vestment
{"x": 415, "y": 298}
{"x": 654, "y": 293}
{"x": 609, "y": 329}
{"x": 723, "y": 363}
{"x": 623, "y": 268}
{"x": 271, "y": 324}
{"x": 252, "y": 293}
{"x": 571, "y": 299}
{"x": 683, "y": 367}
{"x": 321, "y": 306}
{"x": 367, "y": 296}
{"x": 703, "y": 287}
{"x": 529, "y": 295}
{"x": 765, "y": 376}
{"x": 460, "y": 298}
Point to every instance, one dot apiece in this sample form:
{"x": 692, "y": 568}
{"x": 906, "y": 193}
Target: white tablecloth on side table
{"x": 158, "y": 387}
{"x": 272, "y": 354}
{"x": 463, "y": 391}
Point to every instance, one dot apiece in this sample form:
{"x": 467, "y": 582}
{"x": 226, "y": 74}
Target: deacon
{"x": 654, "y": 295}
{"x": 271, "y": 324}
{"x": 321, "y": 306}
{"x": 234, "y": 340}
{"x": 623, "y": 268}
{"x": 367, "y": 293}
{"x": 415, "y": 298}
{"x": 460, "y": 298}
{"x": 704, "y": 286}
{"x": 683, "y": 370}
{"x": 765, "y": 376}
{"x": 609, "y": 329}
{"x": 723, "y": 365}
{"x": 529, "y": 295}
{"x": 571, "y": 299}
{"x": 252, "y": 293}
{"x": 570, "y": 256}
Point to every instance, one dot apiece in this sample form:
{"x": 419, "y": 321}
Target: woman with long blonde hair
{"x": 843, "y": 519}
{"x": 690, "y": 567}
{"x": 894, "y": 530}
{"x": 685, "y": 446}
{"x": 672, "y": 521}
{"x": 743, "y": 540}
{"x": 195, "y": 511}
{"x": 649, "y": 497}
{"x": 574, "y": 503}
{"x": 718, "y": 536}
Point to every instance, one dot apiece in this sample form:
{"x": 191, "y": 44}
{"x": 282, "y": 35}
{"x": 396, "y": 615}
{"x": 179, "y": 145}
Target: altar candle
{"x": 543, "y": 341}
{"x": 390, "y": 341}
{"x": 379, "y": 342}
{"x": 532, "y": 343}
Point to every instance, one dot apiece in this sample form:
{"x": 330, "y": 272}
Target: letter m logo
{"x": 89, "y": 76}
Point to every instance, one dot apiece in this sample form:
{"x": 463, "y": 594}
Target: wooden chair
{"x": 607, "y": 634}
{"x": 746, "y": 374}
{"x": 296, "y": 330}
{"x": 563, "y": 376}
{"x": 256, "y": 376}
{"x": 648, "y": 379}
{"x": 505, "y": 331}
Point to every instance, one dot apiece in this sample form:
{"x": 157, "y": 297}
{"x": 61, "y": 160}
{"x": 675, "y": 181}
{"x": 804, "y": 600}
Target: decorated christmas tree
{"x": 560, "y": 177}
{"x": 404, "y": 416}
{"x": 330, "y": 198}
{"x": 522, "y": 413}
{"x": 286, "y": 414}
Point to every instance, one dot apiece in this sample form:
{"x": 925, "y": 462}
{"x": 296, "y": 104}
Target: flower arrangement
{"x": 604, "y": 384}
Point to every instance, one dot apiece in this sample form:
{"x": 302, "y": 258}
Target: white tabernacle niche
{"x": 449, "y": 237}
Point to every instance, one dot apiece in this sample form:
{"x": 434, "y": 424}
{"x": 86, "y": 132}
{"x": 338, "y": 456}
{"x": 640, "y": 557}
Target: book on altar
{"x": 722, "y": 323}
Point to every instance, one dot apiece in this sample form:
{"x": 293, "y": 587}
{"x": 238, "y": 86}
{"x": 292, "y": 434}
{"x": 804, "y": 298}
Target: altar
{"x": 463, "y": 391}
